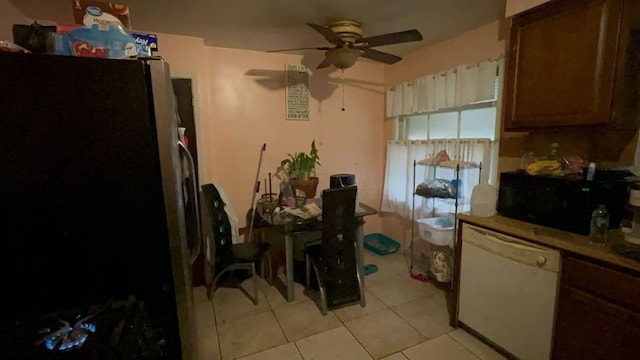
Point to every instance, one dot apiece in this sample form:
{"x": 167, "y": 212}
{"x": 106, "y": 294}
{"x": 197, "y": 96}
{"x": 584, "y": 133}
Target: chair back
{"x": 220, "y": 227}
{"x": 338, "y": 216}
{"x": 338, "y": 246}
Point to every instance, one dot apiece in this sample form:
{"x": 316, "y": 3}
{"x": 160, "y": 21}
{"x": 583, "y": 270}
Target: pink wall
{"x": 479, "y": 44}
{"x": 239, "y": 102}
{"x": 247, "y": 109}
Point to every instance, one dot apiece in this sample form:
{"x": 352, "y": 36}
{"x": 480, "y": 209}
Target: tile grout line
{"x": 279, "y": 325}
{"x": 401, "y": 318}
{"x": 273, "y": 312}
{"x": 466, "y": 348}
{"x": 297, "y": 348}
{"x": 414, "y": 328}
{"x": 270, "y": 310}
{"x": 215, "y": 323}
{"x": 342, "y": 323}
{"x": 356, "y": 338}
{"x": 418, "y": 331}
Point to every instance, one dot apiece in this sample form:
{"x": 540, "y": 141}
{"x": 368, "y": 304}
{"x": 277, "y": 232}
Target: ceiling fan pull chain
{"x": 342, "y": 70}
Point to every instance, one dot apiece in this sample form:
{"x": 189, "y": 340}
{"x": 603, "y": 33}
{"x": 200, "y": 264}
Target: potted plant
{"x": 298, "y": 169}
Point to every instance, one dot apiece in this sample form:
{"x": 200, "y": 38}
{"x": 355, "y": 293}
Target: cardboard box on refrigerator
{"x": 102, "y": 30}
{"x": 110, "y": 43}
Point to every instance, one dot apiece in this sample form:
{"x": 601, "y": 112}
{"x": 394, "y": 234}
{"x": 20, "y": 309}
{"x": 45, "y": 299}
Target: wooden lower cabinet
{"x": 593, "y": 322}
{"x": 588, "y": 327}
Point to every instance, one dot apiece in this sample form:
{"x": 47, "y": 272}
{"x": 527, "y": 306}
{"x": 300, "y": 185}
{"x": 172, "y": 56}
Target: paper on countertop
{"x": 306, "y": 212}
{"x": 312, "y": 210}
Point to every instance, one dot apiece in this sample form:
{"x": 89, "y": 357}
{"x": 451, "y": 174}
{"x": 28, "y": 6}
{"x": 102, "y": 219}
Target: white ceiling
{"x": 277, "y": 24}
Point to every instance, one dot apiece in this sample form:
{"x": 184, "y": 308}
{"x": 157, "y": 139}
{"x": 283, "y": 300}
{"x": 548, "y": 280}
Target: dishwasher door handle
{"x": 512, "y": 248}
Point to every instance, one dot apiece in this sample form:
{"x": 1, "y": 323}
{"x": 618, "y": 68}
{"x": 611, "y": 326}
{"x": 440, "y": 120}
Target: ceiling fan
{"x": 349, "y": 45}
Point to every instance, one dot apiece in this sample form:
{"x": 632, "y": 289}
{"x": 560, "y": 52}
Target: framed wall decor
{"x": 297, "y": 92}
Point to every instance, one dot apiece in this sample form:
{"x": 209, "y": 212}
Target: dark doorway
{"x": 184, "y": 97}
{"x": 182, "y": 89}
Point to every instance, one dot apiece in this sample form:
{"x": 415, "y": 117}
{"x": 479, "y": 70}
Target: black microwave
{"x": 564, "y": 203}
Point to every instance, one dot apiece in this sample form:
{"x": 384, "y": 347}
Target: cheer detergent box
{"x": 146, "y": 44}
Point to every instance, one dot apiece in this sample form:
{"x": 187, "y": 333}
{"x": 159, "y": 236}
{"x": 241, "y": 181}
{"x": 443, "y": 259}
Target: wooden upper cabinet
{"x": 561, "y": 64}
{"x": 517, "y": 6}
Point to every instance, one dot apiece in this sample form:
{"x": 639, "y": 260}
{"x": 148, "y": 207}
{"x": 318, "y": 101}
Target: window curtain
{"x": 464, "y": 85}
{"x": 395, "y": 100}
{"x": 409, "y": 98}
{"x": 394, "y": 193}
{"x": 398, "y": 188}
{"x": 440, "y": 91}
{"x": 476, "y": 82}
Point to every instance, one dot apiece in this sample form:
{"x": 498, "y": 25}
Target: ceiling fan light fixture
{"x": 349, "y": 44}
{"x": 344, "y": 57}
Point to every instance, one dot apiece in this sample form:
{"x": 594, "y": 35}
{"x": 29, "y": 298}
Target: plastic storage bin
{"x": 436, "y": 230}
{"x": 380, "y": 244}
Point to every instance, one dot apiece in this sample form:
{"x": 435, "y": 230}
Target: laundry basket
{"x": 436, "y": 230}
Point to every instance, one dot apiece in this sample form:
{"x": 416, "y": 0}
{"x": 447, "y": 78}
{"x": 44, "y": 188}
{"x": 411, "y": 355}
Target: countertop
{"x": 562, "y": 240}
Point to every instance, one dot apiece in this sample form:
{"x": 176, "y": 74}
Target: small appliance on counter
{"x": 341, "y": 180}
{"x": 563, "y": 203}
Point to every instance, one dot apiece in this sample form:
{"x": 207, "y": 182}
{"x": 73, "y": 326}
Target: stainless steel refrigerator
{"x": 94, "y": 259}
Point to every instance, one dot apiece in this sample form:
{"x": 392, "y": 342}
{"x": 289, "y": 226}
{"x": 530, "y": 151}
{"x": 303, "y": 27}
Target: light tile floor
{"x": 404, "y": 319}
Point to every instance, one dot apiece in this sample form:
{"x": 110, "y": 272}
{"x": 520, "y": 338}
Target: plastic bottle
{"x": 527, "y": 159}
{"x": 591, "y": 171}
{"x": 483, "y": 200}
{"x": 599, "y": 225}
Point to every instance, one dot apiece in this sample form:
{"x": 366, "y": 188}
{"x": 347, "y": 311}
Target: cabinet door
{"x": 561, "y": 64}
{"x": 588, "y": 327}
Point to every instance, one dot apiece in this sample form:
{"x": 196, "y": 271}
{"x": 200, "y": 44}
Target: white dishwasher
{"x": 508, "y": 291}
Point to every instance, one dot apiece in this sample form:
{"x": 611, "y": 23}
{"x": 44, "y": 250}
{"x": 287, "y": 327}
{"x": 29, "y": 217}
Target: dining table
{"x": 295, "y": 228}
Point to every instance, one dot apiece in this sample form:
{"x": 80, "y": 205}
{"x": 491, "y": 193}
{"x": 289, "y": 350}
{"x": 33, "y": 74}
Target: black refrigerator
{"x": 94, "y": 258}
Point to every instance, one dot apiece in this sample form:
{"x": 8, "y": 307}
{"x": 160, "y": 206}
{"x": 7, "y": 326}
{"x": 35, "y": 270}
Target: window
{"x": 460, "y": 130}
{"x": 466, "y": 123}
{"x": 476, "y": 120}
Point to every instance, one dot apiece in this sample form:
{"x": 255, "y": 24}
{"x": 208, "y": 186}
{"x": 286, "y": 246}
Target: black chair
{"x": 222, "y": 253}
{"x": 334, "y": 258}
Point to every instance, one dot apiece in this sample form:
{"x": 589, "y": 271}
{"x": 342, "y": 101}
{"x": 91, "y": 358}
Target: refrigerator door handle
{"x": 195, "y": 250}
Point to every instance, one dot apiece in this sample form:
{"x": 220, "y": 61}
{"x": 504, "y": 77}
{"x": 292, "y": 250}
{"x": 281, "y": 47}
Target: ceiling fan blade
{"x": 309, "y": 48}
{"x": 325, "y": 63}
{"x": 327, "y": 33}
{"x": 380, "y": 56}
{"x": 392, "y": 38}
